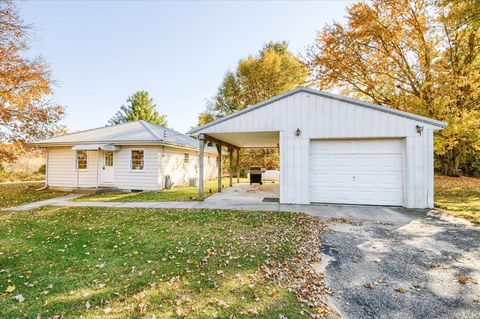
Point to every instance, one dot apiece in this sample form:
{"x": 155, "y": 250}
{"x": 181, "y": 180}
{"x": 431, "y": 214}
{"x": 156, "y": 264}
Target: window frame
{"x": 131, "y": 160}
{"x": 186, "y": 159}
{"x": 76, "y": 161}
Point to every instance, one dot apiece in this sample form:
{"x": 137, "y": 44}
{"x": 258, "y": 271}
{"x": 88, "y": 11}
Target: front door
{"x": 108, "y": 172}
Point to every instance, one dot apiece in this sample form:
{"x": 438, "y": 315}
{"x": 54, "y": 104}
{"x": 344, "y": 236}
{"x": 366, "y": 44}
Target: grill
{"x": 255, "y": 175}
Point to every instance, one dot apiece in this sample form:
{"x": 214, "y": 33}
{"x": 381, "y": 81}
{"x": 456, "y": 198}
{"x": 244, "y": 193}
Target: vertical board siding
{"x": 324, "y": 118}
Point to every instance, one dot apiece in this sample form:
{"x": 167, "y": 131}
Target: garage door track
{"x": 428, "y": 267}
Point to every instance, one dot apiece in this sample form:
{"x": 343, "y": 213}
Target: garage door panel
{"x": 382, "y": 146}
{"x": 379, "y": 181}
{"x": 357, "y": 172}
{"x": 369, "y": 195}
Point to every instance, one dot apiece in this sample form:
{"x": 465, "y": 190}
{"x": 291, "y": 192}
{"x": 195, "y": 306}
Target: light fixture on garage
{"x": 419, "y": 129}
{"x": 298, "y": 132}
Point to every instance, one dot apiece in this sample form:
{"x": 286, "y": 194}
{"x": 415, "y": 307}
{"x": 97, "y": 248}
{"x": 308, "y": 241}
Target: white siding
{"x": 61, "y": 168}
{"x": 171, "y": 162}
{"x": 158, "y": 162}
{"x": 126, "y": 178}
{"x": 324, "y": 118}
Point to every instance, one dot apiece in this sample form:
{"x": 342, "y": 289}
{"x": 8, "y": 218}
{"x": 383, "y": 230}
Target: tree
{"x": 273, "y": 71}
{"x": 25, "y": 84}
{"x": 414, "y": 55}
{"x": 140, "y": 107}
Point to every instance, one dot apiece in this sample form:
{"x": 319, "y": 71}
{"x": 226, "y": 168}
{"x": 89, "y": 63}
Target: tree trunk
{"x": 450, "y": 163}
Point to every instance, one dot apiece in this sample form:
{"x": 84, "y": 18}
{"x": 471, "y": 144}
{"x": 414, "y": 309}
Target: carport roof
{"x": 377, "y": 107}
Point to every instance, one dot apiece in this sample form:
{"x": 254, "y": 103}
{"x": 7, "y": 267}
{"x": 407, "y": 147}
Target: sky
{"x": 100, "y": 52}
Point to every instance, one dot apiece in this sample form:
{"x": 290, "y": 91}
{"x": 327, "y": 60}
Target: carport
{"x": 233, "y": 142}
{"x": 335, "y": 149}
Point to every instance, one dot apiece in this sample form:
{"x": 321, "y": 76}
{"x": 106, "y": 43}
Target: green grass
{"x": 130, "y": 263}
{"x": 458, "y": 196}
{"x": 14, "y": 194}
{"x": 175, "y": 194}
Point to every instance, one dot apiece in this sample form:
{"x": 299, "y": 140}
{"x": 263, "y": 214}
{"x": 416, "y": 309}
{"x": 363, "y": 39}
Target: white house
{"x": 131, "y": 156}
{"x": 335, "y": 149}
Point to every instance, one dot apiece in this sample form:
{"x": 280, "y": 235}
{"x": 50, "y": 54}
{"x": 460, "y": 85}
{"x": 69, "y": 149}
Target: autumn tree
{"x": 273, "y": 71}
{"x": 414, "y": 55}
{"x": 139, "y": 107}
{"x": 25, "y": 86}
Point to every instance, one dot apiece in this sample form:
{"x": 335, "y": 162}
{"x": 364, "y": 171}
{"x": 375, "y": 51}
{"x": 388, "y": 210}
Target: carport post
{"x": 238, "y": 165}
{"x": 201, "y": 194}
{"x": 230, "y": 154}
{"x": 219, "y": 159}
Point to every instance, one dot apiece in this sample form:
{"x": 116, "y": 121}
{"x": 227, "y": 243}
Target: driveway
{"x": 397, "y": 268}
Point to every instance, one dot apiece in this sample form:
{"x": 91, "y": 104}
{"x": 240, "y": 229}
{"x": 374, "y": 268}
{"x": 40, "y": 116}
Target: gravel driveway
{"x": 404, "y": 270}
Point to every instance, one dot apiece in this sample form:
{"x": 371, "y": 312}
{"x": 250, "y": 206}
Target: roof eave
{"x": 120, "y": 143}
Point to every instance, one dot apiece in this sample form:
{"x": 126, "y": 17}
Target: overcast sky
{"x": 100, "y": 52}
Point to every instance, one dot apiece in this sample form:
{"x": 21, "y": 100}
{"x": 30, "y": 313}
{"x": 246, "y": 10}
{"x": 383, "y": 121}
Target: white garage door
{"x": 357, "y": 172}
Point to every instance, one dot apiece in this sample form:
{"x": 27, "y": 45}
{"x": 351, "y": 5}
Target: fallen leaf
{"x": 462, "y": 279}
{"x": 10, "y": 289}
{"x": 400, "y": 289}
{"x": 222, "y": 304}
{"x": 19, "y": 298}
{"x": 368, "y": 285}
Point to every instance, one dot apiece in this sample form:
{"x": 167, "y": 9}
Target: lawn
{"x": 175, "y": 194}
{"x": 132, "y": 263}
{"x": 458, "y": 196}
{"x": 14, "y": 194}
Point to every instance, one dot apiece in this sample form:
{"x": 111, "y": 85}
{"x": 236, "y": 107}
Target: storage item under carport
{"x": 255, "y": 175}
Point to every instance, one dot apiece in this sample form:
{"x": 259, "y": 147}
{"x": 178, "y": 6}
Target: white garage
{"x": 337, "y": 150}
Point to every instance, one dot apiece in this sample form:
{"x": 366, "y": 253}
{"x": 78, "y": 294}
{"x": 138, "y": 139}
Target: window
{"x": 108, "y": 158}
{"x": 82, "y": 160}
{"x": 186, "y": 159}
{"x": 137, "y": 160}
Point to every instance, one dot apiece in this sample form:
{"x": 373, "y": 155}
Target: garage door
{"x": 357, "y": 172}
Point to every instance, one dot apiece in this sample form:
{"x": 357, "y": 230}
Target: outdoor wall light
{"x": 419, "y": 129}
{"x": 298, "y": 132}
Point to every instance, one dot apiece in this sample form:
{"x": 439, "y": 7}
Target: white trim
{"x": 75, "y": 163}
{"x": 130, "y": 163}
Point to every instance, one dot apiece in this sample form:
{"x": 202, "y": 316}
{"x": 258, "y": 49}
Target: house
{"x": 335, "y": 149}
{"x": 130, "y": 156}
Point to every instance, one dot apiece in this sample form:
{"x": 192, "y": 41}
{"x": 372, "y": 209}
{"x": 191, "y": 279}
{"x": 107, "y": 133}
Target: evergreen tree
{"x": 140, "y": 107}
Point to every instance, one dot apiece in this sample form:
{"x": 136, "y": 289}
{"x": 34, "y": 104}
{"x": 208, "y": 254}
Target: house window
{"x": 186, "y": 158}
{"x": 82, "y": 160}
{"x": 137, "y": 160}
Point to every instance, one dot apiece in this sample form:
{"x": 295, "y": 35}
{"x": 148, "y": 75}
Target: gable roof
{"x": 140, "y": 132}
{"x": 372, "y": 106}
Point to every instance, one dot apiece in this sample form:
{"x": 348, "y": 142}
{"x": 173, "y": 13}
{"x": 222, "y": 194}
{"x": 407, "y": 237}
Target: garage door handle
{"x": 354, "y": 178}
